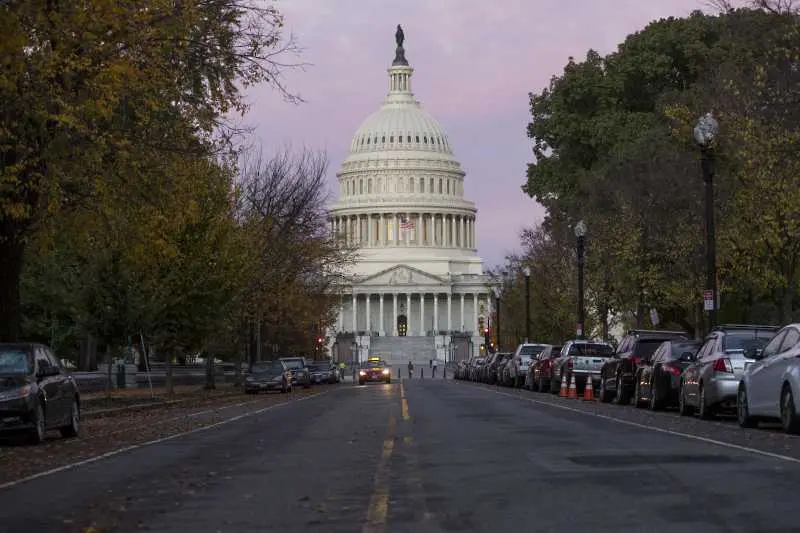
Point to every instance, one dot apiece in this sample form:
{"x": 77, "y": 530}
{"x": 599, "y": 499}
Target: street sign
{"x": 708, "y": 300}
{"x": 579, "y": 330}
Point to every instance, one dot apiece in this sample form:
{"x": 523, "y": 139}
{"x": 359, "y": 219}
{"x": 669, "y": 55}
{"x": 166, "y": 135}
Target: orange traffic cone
{"x": 588, "y": 390}
{"x": 563, "y": 391}
{"x": 573, "y": 390}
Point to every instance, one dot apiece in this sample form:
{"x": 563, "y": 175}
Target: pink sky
{"x": 475, "y": 63}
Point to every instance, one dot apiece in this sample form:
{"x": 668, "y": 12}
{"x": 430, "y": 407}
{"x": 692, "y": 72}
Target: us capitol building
{"x": 417, "y": 289}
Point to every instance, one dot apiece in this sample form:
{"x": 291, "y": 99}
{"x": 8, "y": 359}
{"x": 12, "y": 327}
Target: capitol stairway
{"x": 398, "y": 351}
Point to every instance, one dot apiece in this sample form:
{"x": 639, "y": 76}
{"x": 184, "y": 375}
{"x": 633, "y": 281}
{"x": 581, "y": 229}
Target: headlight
{"x": 385, "y": 371}
{"x": 16, "y": 393}
{"x": 362, "y": 373}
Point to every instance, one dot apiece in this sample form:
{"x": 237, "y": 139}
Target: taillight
{"x": 569, "y": 363}
{"x": 723, "y": 364}
{"x": 635, "y": 360}
{"x": 547, "y": 363}
{"x": 673, "y": 369}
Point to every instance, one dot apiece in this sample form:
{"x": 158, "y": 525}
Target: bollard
{"x": 444, "y": 372}
{"x": 421, "y": 373}
{"x": 398, "y": 373}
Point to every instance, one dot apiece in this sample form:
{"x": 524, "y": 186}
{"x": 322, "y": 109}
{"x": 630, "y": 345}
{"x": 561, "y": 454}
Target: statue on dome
{"x": 400, "y": 53}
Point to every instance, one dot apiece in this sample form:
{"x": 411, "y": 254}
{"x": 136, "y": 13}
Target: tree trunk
{"x": 12, "y": 254}
{"x": 211, "y": 374}
{"x": 168, "y": 373}
{"x": 109, "y": 373}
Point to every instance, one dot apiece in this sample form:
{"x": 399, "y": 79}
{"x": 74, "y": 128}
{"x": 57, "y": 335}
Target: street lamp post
{"x": 580, "y": 233}
{"x": 498, "y": 300}
{"x": 705, "y": 132}
{"x": 527, "y": 272}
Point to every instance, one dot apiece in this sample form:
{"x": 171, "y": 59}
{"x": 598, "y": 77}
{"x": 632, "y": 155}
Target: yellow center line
{"x": 378, "y": 509}
{"x": 404, "y": 403}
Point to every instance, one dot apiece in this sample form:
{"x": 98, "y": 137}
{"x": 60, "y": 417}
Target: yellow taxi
{"x": 375, "y": 369}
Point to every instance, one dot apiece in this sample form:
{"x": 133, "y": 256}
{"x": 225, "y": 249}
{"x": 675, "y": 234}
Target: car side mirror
{"x": 47, "y": 372}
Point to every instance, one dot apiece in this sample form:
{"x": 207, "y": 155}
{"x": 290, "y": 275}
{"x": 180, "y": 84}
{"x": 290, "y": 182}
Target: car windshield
{"x": 294, "y": 364}
{"x": 375, "y": 364}
{"x": 678, "y": 349}
{"x": 747, "y": 339}
{"x": 646, "y": 347}
{"x": 14, "y": 361}
{"x": 319, "y": 366}
{"x": 266, "y": 368}
{"x": 531, "y": 350}
{"x": 591, "y": 349}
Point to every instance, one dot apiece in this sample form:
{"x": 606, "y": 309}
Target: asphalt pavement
{"x": 425, "y": 455}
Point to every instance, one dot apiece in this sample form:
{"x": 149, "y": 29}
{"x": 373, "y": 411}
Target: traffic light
{"x": 320, "y": 340}
{"x": 487, "y": 337}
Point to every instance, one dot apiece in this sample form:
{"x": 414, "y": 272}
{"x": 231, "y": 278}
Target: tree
{"x": 89, "y": 81}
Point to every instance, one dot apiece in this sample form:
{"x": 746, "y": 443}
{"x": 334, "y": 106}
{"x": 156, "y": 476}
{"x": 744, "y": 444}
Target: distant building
{"x": 418, "y": 287}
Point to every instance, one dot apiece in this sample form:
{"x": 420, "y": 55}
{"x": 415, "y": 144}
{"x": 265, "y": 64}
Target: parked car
{"x": 539, "y": 372}
{"x": 658, "y": 382}
{"x": 36, "y": 393}
{"x": 771, "y": 382}
{"x": 299, "y": 369}
{"x": 617, "y": 377}
{"x": 268, "y": 376}
{"x": 583, "y": 359}
{"x": 323, "y": 372}
{"x": 711, "y": 383}
{"x": 521, "y": 361}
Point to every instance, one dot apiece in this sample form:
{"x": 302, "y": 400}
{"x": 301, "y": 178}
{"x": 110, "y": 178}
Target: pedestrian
{"x": 410, "y": 369}
{"x": 434, "y": 366}
{"x": 430, "y": 363}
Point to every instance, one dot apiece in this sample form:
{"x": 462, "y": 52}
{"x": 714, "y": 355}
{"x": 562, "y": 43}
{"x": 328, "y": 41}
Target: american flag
{"x": 406, "y": 223}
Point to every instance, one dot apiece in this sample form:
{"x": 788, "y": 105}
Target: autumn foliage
{"x": 612, "y": 145}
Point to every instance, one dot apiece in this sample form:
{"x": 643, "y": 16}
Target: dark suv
{"x": 617, "y": 374}
{"x": 299, "y": 368}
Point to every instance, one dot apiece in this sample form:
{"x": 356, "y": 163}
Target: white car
{"x": 770, "y": 385}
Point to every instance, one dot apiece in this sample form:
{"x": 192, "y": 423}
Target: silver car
{"x": 711, "y": 383}
{"x": 769, "y": 385}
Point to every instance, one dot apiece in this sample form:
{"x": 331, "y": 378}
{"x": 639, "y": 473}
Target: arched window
{"x": 440, "y": 185}
{"x": 360, "y": 186}
{"x": 411, "y": 184}
{"x": 369, "y": 186}
{"x": 422, "y": 185}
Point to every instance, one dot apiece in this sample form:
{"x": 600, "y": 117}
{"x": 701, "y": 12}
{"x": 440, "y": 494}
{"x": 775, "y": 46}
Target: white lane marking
{"x": 698, "y": 438}
{"x": 133, "y": 447}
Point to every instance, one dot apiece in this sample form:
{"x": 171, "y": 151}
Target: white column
{"x": 358, "y": 229}
{"x": 435, "y": 312}
{"x": 355, "y": 316}
{"x": 396, "y": 233}
{"x": 408, "y": 312}
{"x": 461, "y": 315}
{"x": 422, "y": 314}
{"x": 368, "y": 296}
{"x": 449, "y": 311}
{"x": 380, "y": 318}
{"x": 407, "y": 241}
{"x": 381, "y": 232}
{"x": 463, "y": 240}
{"x": 394, "y": 316}
{"x": 475, "y": 326}
{"x": 371, "y": 231}
{"x": 418, "y": 228}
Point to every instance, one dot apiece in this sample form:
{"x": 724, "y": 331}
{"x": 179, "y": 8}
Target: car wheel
{"x": 789, "y": 419}
{"x": 620, "y": 397}
{"x": 703, "y": 410}
{"x": 743, "y": 409}
{"x": 655, "y": 402}
{"x": 71, "y": 429}
{"x": 605, "y": 396}
{"x": 38, "y": 432}
{"x": 683, "y": 408}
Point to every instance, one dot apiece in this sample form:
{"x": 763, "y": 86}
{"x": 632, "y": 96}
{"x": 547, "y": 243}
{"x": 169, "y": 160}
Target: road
{"x": 425, "y": 456}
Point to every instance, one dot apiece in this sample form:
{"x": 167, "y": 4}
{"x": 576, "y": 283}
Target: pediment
{"x": 402, "y": 275}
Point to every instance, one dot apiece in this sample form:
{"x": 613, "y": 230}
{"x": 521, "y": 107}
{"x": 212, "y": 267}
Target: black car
{"x": 299, "y": 369}
{"x": 268, "y": 376}
{"x": 323, "y": 372}
{"x": 36, "y": 393}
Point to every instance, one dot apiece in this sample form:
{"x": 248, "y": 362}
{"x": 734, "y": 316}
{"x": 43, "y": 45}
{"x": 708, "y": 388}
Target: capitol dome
{"x": 401, "y": 190}
{"x": 401, "y": 208}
